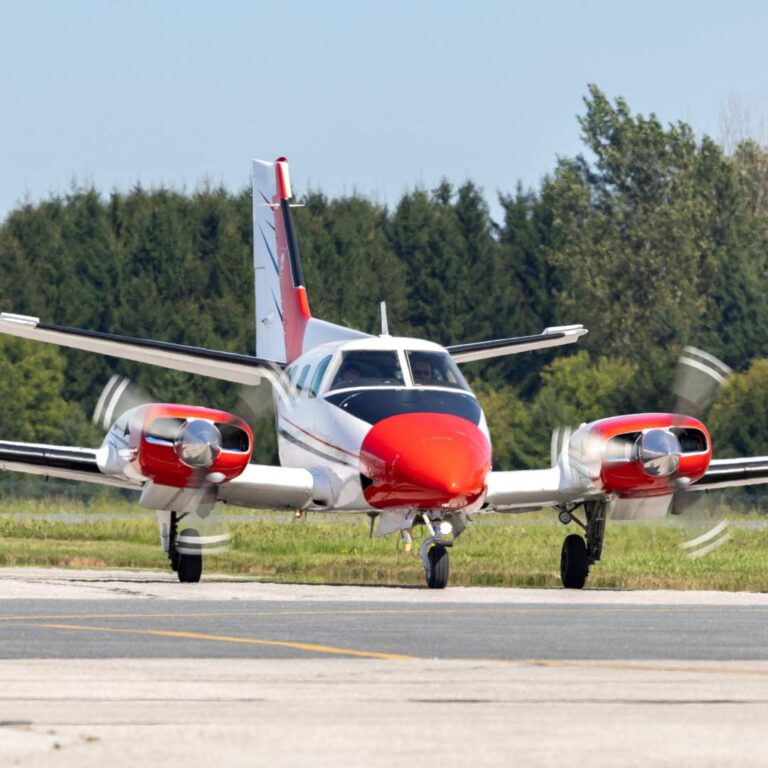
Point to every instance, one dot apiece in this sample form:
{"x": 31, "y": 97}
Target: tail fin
{"x": 282, "y": 308}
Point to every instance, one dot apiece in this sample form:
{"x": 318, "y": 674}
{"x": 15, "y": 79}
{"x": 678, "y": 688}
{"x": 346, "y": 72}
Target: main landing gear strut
{"x": 434, "y": 555}
{"x": 578, "y": 552}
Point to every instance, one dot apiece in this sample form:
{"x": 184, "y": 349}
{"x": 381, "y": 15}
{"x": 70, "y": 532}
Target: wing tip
{"x": 10, "y": 317}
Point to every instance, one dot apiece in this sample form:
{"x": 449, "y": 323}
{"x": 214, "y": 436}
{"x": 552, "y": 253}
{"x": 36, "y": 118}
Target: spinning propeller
{"x": 659, "y": 452}
{"x": 204, "y": 443}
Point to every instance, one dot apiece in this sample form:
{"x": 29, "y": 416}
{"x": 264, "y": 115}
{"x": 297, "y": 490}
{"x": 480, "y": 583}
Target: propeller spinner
{"x": 658, "y": 452}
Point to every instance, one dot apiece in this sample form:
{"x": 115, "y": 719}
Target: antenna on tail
{"x": 384, "y": 323}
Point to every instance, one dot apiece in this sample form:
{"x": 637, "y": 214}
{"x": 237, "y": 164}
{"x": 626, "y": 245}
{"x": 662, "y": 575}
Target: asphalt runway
{"x": 65, "y": 629}
{"x": 131, "y": 668}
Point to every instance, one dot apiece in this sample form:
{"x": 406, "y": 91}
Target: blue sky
{"x": 366, "y": 96}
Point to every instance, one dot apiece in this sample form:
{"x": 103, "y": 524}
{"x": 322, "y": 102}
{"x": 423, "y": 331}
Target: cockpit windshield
{"x": 368, "y": 368}
{"x": 435, "y": 369}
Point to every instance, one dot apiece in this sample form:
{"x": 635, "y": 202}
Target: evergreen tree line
{"x": 652, "y": 238}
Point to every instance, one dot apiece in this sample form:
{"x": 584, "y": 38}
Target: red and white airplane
{"x": 381, "y": 425}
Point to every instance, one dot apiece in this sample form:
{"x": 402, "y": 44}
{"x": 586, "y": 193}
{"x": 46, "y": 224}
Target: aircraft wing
{"x": 549, "y": 337}
{"x": 258, "y": 487}
{"x": 57, "y": 461}
{"x": 228, "y": 366}
{"x": 727, "y": 473}
{"x": 267, "y": 487}
{"x": 530, "y": 489}
{"x": 526, "y": 490}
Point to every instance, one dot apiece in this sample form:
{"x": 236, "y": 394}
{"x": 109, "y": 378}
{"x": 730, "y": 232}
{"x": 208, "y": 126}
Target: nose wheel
{"x": 434, "y": 555}
{"x": 437, "y": 572}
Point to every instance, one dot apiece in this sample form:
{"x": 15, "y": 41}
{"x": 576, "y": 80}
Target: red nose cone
{"x": 425, "y": 461}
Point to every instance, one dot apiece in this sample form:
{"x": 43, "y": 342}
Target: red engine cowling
{"x": 650, "y": 454}
{"x": 185, "y": 446}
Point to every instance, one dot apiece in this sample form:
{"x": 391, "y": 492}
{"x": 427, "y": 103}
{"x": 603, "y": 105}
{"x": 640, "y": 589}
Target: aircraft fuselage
{"x": 389, "y": 422}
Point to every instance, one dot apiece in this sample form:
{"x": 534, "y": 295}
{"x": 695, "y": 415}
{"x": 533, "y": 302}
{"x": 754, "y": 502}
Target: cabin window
{"x": 317, "y": 379}
{"x": 435, "y": 369}
{"x": 368, "y": 368}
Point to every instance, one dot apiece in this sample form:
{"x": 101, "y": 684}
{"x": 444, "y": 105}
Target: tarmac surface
{"x": 126, "y": 668}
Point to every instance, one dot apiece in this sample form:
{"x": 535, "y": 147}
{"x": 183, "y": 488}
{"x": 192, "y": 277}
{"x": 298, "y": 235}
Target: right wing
{"x": 58, "y": 461}
{"x": 258, "y": 487}
{"x": 267, "y": 487}
{"x": 216, "y": 364}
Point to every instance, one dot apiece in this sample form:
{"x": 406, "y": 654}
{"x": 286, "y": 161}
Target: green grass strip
{"x": 521, "y": 551}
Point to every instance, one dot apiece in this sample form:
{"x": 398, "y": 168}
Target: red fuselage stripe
{"x": 320, "y": 440}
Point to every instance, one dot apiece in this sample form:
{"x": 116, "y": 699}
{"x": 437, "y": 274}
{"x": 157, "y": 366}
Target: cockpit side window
{"x": 317, "y": 379}
{"x": 302, "y": 379}
{"x": 435, "y": 369}
{"x": 368, "y": 368}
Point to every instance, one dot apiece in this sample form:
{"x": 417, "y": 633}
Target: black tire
{"x": 573, "y": 562}
{"x": 437, "y": 578}
{"x": 190, "y": 566}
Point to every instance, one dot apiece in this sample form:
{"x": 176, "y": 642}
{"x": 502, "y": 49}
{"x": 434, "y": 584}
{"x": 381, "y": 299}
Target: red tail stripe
{"x": 283, "y": 183}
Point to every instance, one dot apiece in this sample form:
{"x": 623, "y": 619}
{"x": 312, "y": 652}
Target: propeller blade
{"x": 256, "y": 403}
{"x": 166, "y": 429}
{"x": 699, "y": 377}
{"x": 118, "y": 396}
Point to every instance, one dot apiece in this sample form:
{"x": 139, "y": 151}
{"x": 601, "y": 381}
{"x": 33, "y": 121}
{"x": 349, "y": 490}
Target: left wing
{"x": 728, "y": 473}
{"x": 549, "y": 337}
{"x": 528, "y": 489}
{"x": 531, "y": 489}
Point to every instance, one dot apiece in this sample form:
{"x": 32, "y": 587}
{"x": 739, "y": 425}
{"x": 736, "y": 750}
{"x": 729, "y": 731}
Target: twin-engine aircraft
{"x": 381, "y": 425}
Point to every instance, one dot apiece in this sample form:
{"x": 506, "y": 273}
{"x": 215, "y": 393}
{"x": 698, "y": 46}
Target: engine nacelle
{"x": 643, "y": 454}
{"x": 182, "y": 446}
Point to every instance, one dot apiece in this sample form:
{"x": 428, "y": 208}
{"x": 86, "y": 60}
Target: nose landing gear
{"x": 434, "y": 555}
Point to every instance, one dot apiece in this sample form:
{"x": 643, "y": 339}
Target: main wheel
{"x": 573, "y": 562}
{"x": 190, "y": 566}
{"x": 437, "y": 578}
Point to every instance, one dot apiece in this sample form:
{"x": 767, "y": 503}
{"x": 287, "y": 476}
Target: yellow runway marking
{"x": 230, "y": 639}
{"x": 645, "y": 667}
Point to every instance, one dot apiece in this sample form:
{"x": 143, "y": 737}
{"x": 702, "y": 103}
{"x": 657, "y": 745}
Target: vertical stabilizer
{"x": 282, "y": 309}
